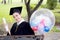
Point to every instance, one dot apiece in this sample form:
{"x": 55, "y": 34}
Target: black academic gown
{"x": 22, "y": 29}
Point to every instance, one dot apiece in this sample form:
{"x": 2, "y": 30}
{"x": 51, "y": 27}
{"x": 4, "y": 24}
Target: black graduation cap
{"x": 15, "y": 9}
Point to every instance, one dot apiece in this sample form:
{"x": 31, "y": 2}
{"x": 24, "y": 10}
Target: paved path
{"x": 52, "y": 36}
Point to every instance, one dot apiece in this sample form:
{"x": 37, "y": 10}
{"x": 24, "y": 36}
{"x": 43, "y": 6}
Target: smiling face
{"x": 17, "y": 16}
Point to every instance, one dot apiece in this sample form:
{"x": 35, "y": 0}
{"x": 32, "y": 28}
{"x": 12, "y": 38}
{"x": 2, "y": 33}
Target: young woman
{"x": 20, "y": 27}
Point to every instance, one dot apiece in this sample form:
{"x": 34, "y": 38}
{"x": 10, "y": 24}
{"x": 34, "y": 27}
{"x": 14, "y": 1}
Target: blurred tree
{"x": 22, "y": 1}
{"x": 51, "y": 4}
{"x": 4, "y": 1}
{"x": 9, "y": 1}
{"x": 28, "y": 7}
{"x": 59, "y": 0}
{"x": 30, "y": 11}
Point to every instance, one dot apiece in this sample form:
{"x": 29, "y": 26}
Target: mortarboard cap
{"x": 15, "y": 9}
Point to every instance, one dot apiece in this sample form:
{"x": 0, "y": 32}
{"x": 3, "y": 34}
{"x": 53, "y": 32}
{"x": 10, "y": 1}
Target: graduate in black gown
{"x": 20, "y": 27}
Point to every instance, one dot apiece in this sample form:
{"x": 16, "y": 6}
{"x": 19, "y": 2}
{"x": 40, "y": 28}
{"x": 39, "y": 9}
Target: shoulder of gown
{"x": 28, "y": 28}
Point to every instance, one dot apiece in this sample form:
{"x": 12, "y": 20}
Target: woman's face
{"x": 17, "y": 16}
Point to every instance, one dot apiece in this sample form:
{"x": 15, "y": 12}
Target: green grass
{"x": 55, "y": 29}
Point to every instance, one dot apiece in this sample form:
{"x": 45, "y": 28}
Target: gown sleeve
{"x": 12, "y": 29}
{"x": 28, "y": 29}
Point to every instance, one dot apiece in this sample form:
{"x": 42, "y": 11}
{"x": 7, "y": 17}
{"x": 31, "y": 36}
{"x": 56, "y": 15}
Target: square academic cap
{"x": 15, "y": 9}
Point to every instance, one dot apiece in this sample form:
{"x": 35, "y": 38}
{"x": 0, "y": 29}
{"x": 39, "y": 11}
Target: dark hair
{"x": 16, "y": 10}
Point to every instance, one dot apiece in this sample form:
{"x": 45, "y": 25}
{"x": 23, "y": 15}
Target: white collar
{"x": 20, "y": 22}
